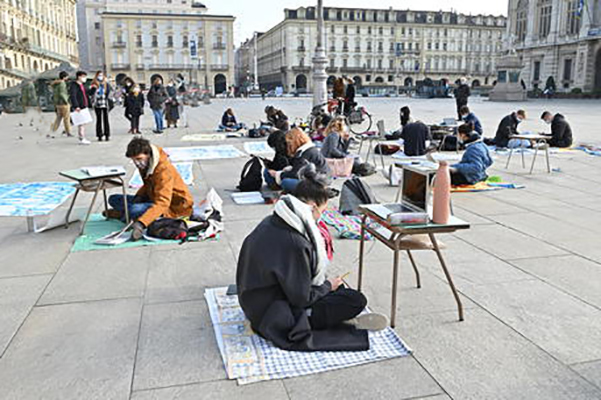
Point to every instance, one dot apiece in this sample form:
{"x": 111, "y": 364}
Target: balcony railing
{"x": 139, "y": 44}
{"x": 218, "y": 46}
{"x": 301, "y": 48}
{"x": 118, "y": 45}
{"x": 345, "y": 49}
{"x": 220, "y": 67}
{"x": 120, "y": 67}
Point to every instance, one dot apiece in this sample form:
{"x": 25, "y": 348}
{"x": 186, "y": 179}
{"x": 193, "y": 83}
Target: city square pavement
{"x": 133, "y": 323}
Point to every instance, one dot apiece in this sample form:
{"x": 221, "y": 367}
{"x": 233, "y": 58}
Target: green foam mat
{"x": 98, "y": 227}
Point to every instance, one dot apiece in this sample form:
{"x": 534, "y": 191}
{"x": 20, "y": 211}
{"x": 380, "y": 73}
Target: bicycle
{"x": 357, "y": 119}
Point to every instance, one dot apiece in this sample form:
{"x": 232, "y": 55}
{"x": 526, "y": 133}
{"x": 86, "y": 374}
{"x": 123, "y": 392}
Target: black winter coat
{"x": 561, "y": 132}
{"x": 507, "y": 128}
{"x": 157, "y": 97}
{"x": 76, "y": 96}
{"x": 415, "y": 135}
{"x": 277, "y": 141}
{"x": 280, "y": 121}
{"x": 275, "y": 290}
{"x": 134, "y": 105}
{"x": 312, "y": 155}
{"x": 462, "y": 92}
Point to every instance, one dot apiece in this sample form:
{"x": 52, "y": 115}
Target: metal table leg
{"x": 71, "y": 208}
{"x": 448, "y": 275}
{"x": 361, "y": 250}
{"x": 395, "y": 275}
{"x": 414, "y": 265}
{"x": 509, "y": 158}
{"x": 523, "y": 147}
{"x": 83, "y": 225}
{"x": 547, "y": 157}
{"x": 125, "y": 206}
{"x": 534, "y": 158}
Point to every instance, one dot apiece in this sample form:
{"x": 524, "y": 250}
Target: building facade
{"x": 246, "y": 64}
{"x": 166, "y": 37}
{"x": 559, "y": 39}
{"x": 35, "y": 36}
{"x": 382, "y": 49}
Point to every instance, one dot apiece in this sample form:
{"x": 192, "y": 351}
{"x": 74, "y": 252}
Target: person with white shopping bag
{"x": 80, "y": 106}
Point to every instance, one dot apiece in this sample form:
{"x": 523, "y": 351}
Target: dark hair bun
{"x": 309, "y": 173}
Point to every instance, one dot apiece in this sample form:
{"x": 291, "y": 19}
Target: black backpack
{"x": 251, "y": 178}
{"x": 174, "y": 229}
{"x": 354, "y": 193}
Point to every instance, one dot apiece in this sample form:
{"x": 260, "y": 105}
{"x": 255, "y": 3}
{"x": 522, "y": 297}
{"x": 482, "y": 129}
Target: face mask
{"x": 141, "y": 164}
{"x": 520, "y": 120}
{"x": 100, "y": 78}
{"x": 548, "y": 121}
{"x": 82, "y": 79}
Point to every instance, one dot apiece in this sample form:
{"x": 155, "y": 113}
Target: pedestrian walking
{"x": 61, "y": 103}
{"x": 134, "y": 108}
{"x": 172, "y": 105}
{"x": 31, "y": 106}
{"x": 101, "y": 90}
{"x": 462, "y": 93}
{"x": 80, "y": 103}
{"x": 157, "y": 96}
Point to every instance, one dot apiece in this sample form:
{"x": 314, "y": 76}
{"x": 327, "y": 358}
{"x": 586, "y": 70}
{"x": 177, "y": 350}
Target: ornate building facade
{"x": 35, "y": 36}
{"x": 382, "y": 49}
{"x": 559, "y": 39}
{"x": 166, "y": 37}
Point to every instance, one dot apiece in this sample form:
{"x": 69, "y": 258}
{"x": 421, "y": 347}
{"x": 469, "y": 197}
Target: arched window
{"x": 545, "y": 9}
{"x": 521, "y": 21}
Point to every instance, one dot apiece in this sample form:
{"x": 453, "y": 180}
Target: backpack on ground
{"x": 257, "y": 133}
{"x": 354, "y": 193}
{"x": 251, "y": 178}
{"x": 364, "y": 169}
{"x": 168, "y": 228}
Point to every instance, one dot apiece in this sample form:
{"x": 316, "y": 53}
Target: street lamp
{"x": 320, "y": 89}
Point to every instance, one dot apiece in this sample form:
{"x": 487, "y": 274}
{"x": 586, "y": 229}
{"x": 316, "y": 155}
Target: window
{"x": 367, "y": 78}
{"x": 521, "y": 20}
{"x": 390, "y": 78}
{"x": 155, "y": 41}
{"x": 379, "y": 64}
{"x": 567, "y": 69}
{"x": 138, "y": 40}
{"x": 169, "y": 41}
{"x": 96, "y": 25}
{"x": 536, "y": 72}
{"x": 185, "y": 41}
{"x": 544, "y": 18}
{"x": 358, "y": 30}
{"x": 344, "y": 63}
{"x": 573, "y": 20}
{"x": 333, "y": 29}
{"x": 391, "y": 64}
{"x": 332, "y": 63}
{"x": 345, "y": 29}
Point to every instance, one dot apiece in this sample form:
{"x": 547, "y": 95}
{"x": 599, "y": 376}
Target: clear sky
{"x": 261, "y": 15}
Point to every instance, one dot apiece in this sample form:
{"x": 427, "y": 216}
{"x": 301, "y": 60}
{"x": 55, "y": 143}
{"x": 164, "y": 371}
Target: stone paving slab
{"x": 177, "y": 346}
{"x": 17, "y": 297}
{"x": 482, "y": 358}
{"x": 273, "y": 390}
{"x": 566, "y": 328}
{"x": 590, "y": 371}
{"x": 85, "y": 276}
{"x": 73, "y": 351}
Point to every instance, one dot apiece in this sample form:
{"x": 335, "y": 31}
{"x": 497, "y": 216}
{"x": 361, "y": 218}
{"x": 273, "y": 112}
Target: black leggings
{"x": 336, "y": 307}
{"x": 135, "y": 122}
{"x": 102, "y": 119}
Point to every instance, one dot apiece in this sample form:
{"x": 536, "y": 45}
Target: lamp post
{"x": 320, "y": 61}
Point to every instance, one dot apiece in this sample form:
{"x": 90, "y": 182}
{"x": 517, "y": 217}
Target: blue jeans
{"x": 158, "y": 119}
{"x": 288, "y": 184}
{"x": 136, "y": 209}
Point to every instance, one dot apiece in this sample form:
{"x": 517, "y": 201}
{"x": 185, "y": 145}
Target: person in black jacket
{"x": 462, "y": 93}
{"x": 277, "y": 141}
{"x": 285, "y": 292}
{"x": 507, "y": 128}
{"x": 416, "y": 136}
{"x": 277, "y": 118}
{"x": 134, "y": 108}
{"x": 561, "y": 132}
{"x": 302, "y": 152}
{"x": 349, "y": 98}
{"x": 79, "y": 97}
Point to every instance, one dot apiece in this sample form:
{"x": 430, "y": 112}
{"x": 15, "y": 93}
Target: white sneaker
{"x": 84, "y": 142}
{"x": 370, "y": 322}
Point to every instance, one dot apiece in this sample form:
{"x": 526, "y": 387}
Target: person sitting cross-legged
{"x": 476, "y": 159}
{"x": 229, "y": 122}
{"x": 285, "y": 292}
{"x": 164, "y": 193}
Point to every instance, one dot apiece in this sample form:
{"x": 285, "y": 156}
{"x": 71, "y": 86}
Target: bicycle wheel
{"x": 359, "y": 121}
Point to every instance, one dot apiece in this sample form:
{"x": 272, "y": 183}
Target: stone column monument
{"x": 320, "y": 61}
{"x": 509, "y": 86}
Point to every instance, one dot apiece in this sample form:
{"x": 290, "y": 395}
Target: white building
{"x": 382, "y": 49}
{"x": 35, "y": 36}
{"x": 559, "y": 39}
{"x": 166, "y": 37}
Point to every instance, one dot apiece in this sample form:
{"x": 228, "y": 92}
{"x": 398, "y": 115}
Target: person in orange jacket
{"x": 164, "y": 193}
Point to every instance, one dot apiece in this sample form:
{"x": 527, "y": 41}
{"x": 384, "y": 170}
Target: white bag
{"x": 81, "y": 117}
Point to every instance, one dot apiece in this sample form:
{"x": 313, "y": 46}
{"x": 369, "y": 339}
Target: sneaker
{"x": 370, "y": 322}
{"x": 84, "y": 142}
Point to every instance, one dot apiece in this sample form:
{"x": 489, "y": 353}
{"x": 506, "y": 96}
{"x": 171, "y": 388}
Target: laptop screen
{"x": 415, "y": 187}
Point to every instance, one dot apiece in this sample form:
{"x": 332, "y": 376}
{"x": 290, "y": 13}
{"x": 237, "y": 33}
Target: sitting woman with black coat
{"x": 302, "y": 152}
{"x": 285, "y": 292}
